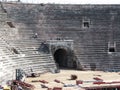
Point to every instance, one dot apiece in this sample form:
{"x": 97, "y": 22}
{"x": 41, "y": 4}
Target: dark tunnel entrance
{"x": 60, "y": 57}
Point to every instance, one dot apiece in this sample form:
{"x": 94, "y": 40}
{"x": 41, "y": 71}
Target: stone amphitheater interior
{"x": 59, "y": 46}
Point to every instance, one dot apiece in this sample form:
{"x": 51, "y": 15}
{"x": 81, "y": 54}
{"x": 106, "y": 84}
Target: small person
{"x": 35, "y": 35}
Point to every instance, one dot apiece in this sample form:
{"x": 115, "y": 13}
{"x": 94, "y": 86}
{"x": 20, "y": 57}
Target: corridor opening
{"x": 60, "y": 57}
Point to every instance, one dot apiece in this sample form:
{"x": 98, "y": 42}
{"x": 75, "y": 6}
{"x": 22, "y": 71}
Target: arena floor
{"x": 65, "y": 75}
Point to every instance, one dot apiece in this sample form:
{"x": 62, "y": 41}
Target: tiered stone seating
{"x": 66, "y": 21}
{"x": 7, "y": 64}
{"x": 36, "y": 60}
{"x": 19, "y": 50}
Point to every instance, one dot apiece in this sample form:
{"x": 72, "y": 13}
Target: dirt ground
{"x": 65, "y": 75}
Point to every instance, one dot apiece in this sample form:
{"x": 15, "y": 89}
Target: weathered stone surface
{"x": 67, "y": 22}
{"x": 93, "y": 29}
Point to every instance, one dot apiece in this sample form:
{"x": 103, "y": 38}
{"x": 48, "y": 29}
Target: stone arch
{"x": 61, "y": 57}
{"x": 67, "y": 57}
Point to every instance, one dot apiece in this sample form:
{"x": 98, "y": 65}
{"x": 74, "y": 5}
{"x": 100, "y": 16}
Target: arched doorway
{"x": 61, "y": 58}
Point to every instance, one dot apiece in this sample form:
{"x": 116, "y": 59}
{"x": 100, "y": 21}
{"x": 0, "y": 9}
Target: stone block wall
{"x": 93, "y": 28}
